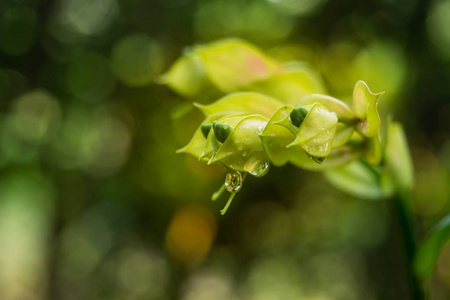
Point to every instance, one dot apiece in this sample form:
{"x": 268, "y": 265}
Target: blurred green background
{"x": 95, "y": 204}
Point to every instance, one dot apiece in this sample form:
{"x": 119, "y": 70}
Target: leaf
{"x": 232, "y": 63}
{"x": 428, "y": 253}
{"x": 399, "y": 168}
{"x": 186, "y": 76}
{"x": 243, "y": 150}
{"x": 365, "y": 108}
{"x": 355, "y": 179}
{"x": 243, "y": 102}
{"x": 316, "y": 133}
{"x": 330, "y": 103}
{"x": 290, "y": 86}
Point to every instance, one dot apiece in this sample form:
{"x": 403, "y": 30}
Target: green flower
{"x": 277, "y": 119}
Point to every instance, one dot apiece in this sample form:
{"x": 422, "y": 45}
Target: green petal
{"x": 243, "y": 102}
{"x": 243, "y": 150}
{"x": 342, "y": 136}
{"x": 330, "y": 103}
{"x": 212, "y": 143}
{"x": 365, "y": 108}
{"x": 197, "y": 144}
{"x": 275, "y": 138}
{"x": 232, "y": 63}
{"x": 186, "y": 76}
{"x": 317, "y": 131}
{"x": 373, "y": 152}
{"x": 290, "y": 86}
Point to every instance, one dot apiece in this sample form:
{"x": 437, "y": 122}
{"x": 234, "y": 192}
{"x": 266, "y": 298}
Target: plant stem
{"x": 403, "y": 215}
{"x": 400, "y": 206}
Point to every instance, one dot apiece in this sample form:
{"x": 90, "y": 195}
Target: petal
{"x": 330, "y": 103}
{"x": 186, "y": 76}
{"x": 342, "y": 136}
{"x": 290, "y": 86}
{"x": 317, "y": 131}
{"x": 365, "y": 108}
{"x": 232, "y": 63}
{"x": 243, "y": 102}
{"x": 243, "y": 150}
{"x": 197, "y": 144}
{"x": 275, "y": 138}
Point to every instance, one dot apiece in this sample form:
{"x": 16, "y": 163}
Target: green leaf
{"x": 186, "y": 76}
{"x": 356, "y": 179}
{"x": 316, "y": 133}
{"x": 398, "y": 165}
{"x": 243, "y": 150}
{"x": 428, "y": 253}
{"x": 243, "y": 102}
{"x": 365, "y": 108}
{"x": 232, "y": 63}
{"x": 330, "y": 103}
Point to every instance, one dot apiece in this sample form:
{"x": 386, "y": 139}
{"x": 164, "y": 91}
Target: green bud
{"x": 205, "y": 129}
{"x": 318, "y": 160}
{"x": 221, "y": 131}
{"x": 297, "y": 115}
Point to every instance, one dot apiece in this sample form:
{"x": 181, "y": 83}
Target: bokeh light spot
{"x": 35, "y": 117}
{"x": 136, "y": 60}
{"x": 438, "y": 24}
{"x": 190, "y": 235}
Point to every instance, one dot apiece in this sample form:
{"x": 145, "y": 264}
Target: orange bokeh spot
{"x": 190, "y": 234}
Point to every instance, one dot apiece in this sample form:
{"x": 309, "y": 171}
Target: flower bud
{"x": 205, "y": 129}
{"x": 221, "y": 131}
{"x": 297, "y": 116}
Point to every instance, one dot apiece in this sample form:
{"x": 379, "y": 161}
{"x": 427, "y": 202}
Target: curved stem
{"x": 224, "y": 210}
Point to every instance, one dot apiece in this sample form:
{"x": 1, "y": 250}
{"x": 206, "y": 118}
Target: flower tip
{"x": 181, "y": 150}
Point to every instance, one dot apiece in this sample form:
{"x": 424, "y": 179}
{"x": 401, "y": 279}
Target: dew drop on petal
{"x": 233, "y": 182}
{"x": 261, "y": 169}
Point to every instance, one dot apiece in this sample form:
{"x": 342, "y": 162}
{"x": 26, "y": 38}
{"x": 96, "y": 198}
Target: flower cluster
{"x": 272, "y": 113}
{"x": 246, "y": 131}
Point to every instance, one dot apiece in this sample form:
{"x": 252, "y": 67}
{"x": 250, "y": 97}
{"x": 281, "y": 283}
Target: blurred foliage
{"x": 95, "y": 204}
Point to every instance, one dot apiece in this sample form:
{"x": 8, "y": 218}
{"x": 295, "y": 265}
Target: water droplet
{"x": 261, "y": 169}
{"x": 233, "y": 182}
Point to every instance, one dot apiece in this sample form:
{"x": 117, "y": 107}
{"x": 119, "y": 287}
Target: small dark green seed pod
{"x": 221, "y": 131}
{"x": 297, "y": 116}
{"x": 205, "y": 129}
